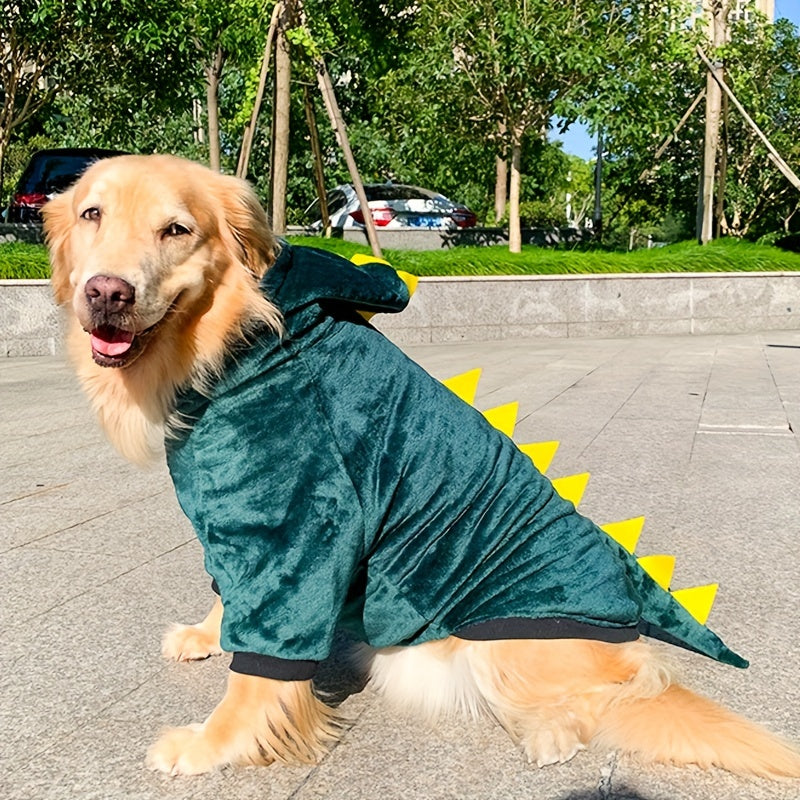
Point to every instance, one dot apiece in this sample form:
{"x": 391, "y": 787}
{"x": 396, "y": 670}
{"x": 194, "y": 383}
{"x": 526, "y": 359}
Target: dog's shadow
{"x": 621, "y": 793}
{"x": 338, "y": 677}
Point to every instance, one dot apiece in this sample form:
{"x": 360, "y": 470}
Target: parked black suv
{"x": 47, "y": 173}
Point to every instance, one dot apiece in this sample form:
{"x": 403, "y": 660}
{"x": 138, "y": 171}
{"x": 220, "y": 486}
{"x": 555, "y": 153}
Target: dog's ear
{"x": 58, "y": 221}
{"x": 246, "y": 222}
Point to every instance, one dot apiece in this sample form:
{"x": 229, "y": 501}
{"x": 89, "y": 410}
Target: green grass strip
{"x": 724, "y": 255}
{"x": 23, "y": 261}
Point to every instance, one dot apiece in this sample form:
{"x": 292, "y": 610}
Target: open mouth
{"x": 113, "y": 347}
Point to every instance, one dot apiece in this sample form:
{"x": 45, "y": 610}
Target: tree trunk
{"x": 280, "y": 163}
{"x": 514, "y": 227}
{"x": 213, "y": 75}
{"x": 2, "y": 159}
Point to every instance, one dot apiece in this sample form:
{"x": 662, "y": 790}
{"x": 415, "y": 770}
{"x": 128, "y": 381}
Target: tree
{"x": 36, "y": 41}
{"x": 105, "y": 59}
{"x": 762, "y": 65}
{"x": 224, "y": 34}
{"x": 509, "y": 66}
{"x": 652, "y": 78}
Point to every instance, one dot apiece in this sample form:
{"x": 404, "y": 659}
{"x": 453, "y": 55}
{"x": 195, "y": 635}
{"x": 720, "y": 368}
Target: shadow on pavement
{"x": 616, "y": 794}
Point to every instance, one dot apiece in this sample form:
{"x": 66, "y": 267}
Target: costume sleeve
{"x": 282, "y": 528}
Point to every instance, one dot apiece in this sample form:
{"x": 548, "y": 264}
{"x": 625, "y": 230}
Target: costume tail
{"x": 680, "y": 727}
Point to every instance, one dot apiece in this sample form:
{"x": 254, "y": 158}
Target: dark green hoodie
{"x": 332, "y": 482}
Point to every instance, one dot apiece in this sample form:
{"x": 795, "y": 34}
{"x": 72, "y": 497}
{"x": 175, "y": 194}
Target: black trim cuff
{"x": 550, "y": 628}
{"x": 279, "y": 669}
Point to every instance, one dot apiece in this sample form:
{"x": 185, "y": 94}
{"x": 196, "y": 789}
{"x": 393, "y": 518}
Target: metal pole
{"x": 597, "y": 219}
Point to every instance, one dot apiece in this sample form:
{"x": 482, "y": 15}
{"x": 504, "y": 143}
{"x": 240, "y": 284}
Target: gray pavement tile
{"x": 105, "y": 762}
{"x": 28, "y": 595}
{"x": 60, "y": 491}
{"x": 98, "y": 561}
{"x": 71, "y": 664}
{"x": 140, "y": 529}
{"x": 388, "y": 756}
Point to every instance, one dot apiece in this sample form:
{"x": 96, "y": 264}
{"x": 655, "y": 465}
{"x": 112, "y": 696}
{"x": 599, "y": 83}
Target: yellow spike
{"x": 465, "y": 385}
{"x": 541, "y": 453}
{"x": 659, "y": 568}
{"x": 626, "y": 532}
{"x": 359, "y": 259}
{"x": 697, "y": 600}
{"x": 504, "y": 418}
{"x": 572, "y": 487}
{"x": 409, "y": 280}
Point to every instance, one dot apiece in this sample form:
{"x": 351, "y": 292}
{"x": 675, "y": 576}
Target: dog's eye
{"x": 92, "y": 214}
{"x": 176, "y": 229}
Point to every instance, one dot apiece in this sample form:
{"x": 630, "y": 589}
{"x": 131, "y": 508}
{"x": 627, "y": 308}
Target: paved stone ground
{"x": 696, "y": 433}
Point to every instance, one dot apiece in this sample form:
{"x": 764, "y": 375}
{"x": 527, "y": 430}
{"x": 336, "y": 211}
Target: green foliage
{"x": 431, "y": 94}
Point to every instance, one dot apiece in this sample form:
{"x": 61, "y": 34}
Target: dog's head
{"x": 141, "y": 244}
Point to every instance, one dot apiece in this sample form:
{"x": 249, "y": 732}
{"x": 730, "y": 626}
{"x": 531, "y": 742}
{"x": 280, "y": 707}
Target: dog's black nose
{"x": 109, "y": 293}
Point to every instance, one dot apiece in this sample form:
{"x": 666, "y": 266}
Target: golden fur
{"x": 190, "y": 245}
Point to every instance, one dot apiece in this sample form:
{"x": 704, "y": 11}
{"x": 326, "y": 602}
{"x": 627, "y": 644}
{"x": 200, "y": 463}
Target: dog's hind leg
{"x": 194, "y": 642}
{"x": 260, "y": 720}
{"x": 550, "y": 694}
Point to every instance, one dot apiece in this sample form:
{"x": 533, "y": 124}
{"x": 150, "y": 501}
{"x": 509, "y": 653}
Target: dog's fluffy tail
{"x": 680, "y": 727}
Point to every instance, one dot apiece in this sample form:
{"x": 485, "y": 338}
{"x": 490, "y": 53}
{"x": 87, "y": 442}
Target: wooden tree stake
{"x": 250, "y": 126}
{"x": 316, "y": 151}
{"x": 774, "y": 155}
{"x": 335, "y": 115}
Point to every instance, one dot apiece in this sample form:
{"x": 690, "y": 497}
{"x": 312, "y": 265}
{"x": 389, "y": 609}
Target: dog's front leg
{"x": 260, "y": 720}
{"x": 194, "y": 642}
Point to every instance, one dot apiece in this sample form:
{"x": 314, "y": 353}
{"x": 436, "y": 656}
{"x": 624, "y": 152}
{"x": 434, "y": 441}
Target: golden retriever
{"x": 158, "y": 261}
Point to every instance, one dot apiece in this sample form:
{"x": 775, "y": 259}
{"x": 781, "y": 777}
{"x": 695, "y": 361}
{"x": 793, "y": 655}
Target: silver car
{"x": 392, "y": 205}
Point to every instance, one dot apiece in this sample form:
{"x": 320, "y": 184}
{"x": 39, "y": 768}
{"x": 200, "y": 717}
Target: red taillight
{"x": 380, "y": 216}
{"x": 35, "y": 199}
{"x": 464, "y": 219}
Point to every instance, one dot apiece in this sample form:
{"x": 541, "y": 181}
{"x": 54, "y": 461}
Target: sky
{"x": 577, "y": 140}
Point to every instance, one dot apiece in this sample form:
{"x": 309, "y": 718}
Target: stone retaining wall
{"x": 484, "y": 309}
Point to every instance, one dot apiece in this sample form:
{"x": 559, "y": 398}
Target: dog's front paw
{"x": 190, "y": 643}
{"x": 184, "y": 751}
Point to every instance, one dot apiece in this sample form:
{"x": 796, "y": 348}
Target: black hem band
{"x": 549, "y": 628}
{"x": 279, "y": 669}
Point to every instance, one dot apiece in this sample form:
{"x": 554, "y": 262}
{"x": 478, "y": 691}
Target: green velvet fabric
{"x": 332, "y": 482}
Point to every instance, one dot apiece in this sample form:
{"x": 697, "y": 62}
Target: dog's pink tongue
{"x": 110, "y": 341}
